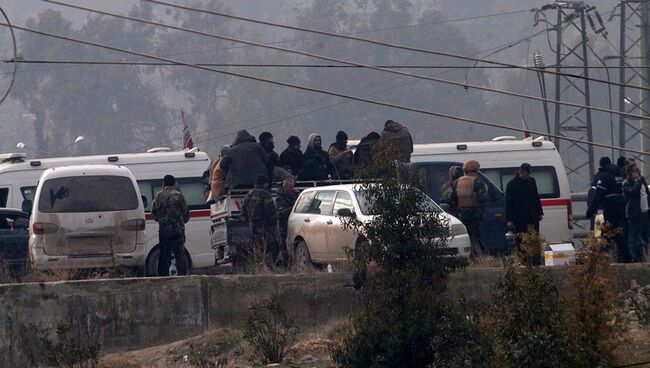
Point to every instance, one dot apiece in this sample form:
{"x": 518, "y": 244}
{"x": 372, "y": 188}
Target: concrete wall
{"x": 133, "y": 313}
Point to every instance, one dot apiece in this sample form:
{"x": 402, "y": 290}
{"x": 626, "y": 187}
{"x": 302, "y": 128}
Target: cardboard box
{"x": 559, "y": 254}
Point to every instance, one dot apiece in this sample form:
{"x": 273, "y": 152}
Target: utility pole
{"x": 634, "y": 61}
{"x": 645, "y": 95}
{"x": 571, "y": 50}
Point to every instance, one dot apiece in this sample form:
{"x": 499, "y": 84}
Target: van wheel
{"x": 151, "y": 268}
{"x": 302, "y": 259}
{"x": 152, "y": 262}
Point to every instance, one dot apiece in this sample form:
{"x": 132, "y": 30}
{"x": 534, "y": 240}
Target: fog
{"x": 120, "y": 108}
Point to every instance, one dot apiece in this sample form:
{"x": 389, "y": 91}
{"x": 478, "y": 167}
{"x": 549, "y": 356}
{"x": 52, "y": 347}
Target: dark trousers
{"x": 522, "y": 227}
{"x": 616, "y": 221}
{"x": 175, "y": 246}
{"x": 638, "y": 230}
{"x": 266, "y": 240}
{"x": 472, "y": 218}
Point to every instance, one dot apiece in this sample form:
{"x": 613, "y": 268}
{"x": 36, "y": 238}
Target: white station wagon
{"x": 315, "y": 233}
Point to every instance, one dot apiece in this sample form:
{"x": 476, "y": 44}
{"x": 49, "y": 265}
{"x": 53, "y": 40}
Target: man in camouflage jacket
{"x": 260, "y": 212}
{"x": 170, "y": 210}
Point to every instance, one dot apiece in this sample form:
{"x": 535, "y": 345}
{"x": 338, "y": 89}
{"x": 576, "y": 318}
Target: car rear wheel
{"x": 302, "y": 260}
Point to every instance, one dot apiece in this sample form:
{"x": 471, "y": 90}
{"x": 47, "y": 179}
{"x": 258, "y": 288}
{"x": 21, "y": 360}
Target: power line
{"x": 279, "y": 120}
{"x": 374, "y": 42}
{"x": 322, "y": 91}
{"x": 366, "y": 66}
{"x": 500, "y": 47}
{"x": 376, "y": 30}
{"x": 285, "y": 65}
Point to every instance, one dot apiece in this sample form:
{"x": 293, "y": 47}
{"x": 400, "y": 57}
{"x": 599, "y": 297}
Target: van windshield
{"x": 88, "y": 194}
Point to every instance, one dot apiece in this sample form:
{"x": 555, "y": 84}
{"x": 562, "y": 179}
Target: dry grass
{"x": 486, "y": 262}
{"x": 75, "y": 274}
{"x": 312, "y": 350}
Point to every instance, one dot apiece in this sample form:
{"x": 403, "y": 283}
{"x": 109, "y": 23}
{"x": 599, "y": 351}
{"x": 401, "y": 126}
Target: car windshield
{"x": 429, "y": 205}
{"x": 88, "y": 194}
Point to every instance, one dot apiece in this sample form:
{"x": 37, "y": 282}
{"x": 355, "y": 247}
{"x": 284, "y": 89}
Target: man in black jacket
{"x": 291, "y": 158}
{"x": 636, "y": 192}
{"x": 608, "y": 194}
{"x": 523, "y": 205}
{"x": 244, "y": 161}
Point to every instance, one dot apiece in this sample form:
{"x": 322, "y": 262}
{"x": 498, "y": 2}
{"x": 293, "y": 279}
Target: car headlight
{"x": 458, "y": 229}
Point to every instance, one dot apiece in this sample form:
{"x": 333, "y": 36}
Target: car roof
{"x": 80, "y": 170}
{"x": 483, "y": 146}
{"x": 345, "y": 187}
{"x": 119, "y": 159}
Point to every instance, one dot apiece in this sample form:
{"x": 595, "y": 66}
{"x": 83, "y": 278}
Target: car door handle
{"x": 307, "y": 220}
{"x": 329, "y": 222}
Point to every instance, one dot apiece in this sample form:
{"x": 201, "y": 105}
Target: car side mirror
{"x": 145, "y": 203}
{"x": 344, "y": 212}
{"x": 445, "y": 206}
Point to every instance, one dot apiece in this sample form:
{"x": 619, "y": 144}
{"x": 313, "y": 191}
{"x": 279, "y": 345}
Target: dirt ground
{"x": 226, "y": 349}
{"x": 223, "y": 349}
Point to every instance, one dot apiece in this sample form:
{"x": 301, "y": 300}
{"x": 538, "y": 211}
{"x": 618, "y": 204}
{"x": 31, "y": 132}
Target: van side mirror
{"x": 344, "y": 212}
{"x": 145, "y": 203}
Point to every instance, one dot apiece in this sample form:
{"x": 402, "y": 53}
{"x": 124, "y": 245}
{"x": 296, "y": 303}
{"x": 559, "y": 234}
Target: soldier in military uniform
{"x": 260, "y": 212}
{"x": 284, "y": 202}
{"x": 469, "y": 194}
{"x": 170, "y": 210}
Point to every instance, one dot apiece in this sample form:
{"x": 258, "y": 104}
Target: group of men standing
{"x": 248, "y": 164}
{"x": 622, "y": 193}
{"x": 466, "y": 194}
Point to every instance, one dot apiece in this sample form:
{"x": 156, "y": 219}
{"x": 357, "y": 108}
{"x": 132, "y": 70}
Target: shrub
{"x": 526, "y": 321}
{"x": 269, "y": 331}
{"x": 404, "y": 312}
{"x": 594, "y": 302}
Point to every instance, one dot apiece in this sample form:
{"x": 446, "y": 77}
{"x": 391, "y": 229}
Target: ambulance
{"x": 500, "y": 159}
{"x": 19, "y": 178}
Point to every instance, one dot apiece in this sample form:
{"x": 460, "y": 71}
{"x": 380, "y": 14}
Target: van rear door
{"x": 89, "y": 216}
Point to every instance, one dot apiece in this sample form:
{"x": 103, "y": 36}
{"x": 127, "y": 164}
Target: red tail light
{"x": 569, "y": 215}
{"x": 40, "y": 228}
{"x": 133, "y": 225}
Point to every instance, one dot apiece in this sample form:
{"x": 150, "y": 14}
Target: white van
{"x": 87, "y": 216}
{"x": 500, "y": 159}
{"x": 19, "y": 177}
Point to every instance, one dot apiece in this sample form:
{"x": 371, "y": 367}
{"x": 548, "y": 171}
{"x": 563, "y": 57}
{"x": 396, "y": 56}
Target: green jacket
{"x": 259, "y": 206}
{"x": 169, "y": 207}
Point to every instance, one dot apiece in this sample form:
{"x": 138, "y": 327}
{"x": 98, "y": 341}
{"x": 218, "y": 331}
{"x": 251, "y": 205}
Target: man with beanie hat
{"x": 469, "y": 194}
{"x": 363, "y": 154}
{"x": 340, "y": 157}
{"x": 260, "y": 212}
{"x": 170, "y": 210}
{"x": 266, "y": 141}
{"x": 291, "y": 158}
